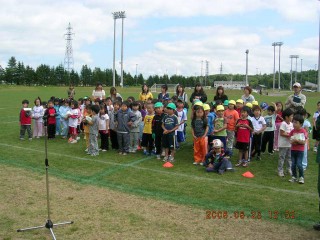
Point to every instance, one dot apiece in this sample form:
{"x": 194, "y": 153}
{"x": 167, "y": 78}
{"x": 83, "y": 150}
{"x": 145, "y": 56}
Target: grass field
{"x": 134, "y": 197}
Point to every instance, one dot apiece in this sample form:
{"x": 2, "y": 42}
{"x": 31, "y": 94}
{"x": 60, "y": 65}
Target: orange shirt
{"x": 232, "y": 117}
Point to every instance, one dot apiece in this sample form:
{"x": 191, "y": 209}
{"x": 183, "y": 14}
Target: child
{"x": 25, "y": 120}
{"x": 298, "y": 138}
{"x": 143, "y": 110}
{"x": 220, "y": 125}
{"x": 56, "y": 107}
{"x": 243, "y": 128}
{"x": 315, "y": 131}
{"x": 219, "y": 160}
{"x": 63, "y": 110}
{"x": 169, "y": 125}
{"x": 73, "y": 121}
{"x": 199, "y": 128}
{"x": 259, "y": 125}
{"x": 232, "y": 116}
{"x": 157, "y": 131}
{"x": 307, "y": 126}
{"x": 279, "y": 119}
{"x": 37, "y": 115}
{"x": 182, "y": 118}
{"x": 50, "y": 115}
{"x": 124, "y": 119}
{"x": 163, "y": 95}
{"x": 211, "y": 117}
{"x": 239, "y": 106}
{"x": 103, "y": 128}
{"x": 86, "y": 128}
{"x": 134, "y": 130}
{"x": 268, "y": 135}
{"x": 284, "y": 142}
{"x": 112, "y": 110}
{"x": 147, "y": 141}
{"x": 94, "y": 130}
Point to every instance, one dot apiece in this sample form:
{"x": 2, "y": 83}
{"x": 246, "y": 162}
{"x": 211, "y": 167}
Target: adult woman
{"x": 181, "y": 94}
{"x": 220, "y": 96}
{"x": 71, "y": 92}
{"x": 98, "y": 92}
{"x": 114, "y": 94}
{"x": 198, "y": 93}
{"x": 163, "y": 95}
{"x": 145, "y": 93}
{"x": 247, "y": 97}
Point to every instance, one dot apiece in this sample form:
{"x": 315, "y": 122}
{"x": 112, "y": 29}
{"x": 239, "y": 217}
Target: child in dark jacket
{"x": 50, "y": 115}
{"x": 157, "y": 130}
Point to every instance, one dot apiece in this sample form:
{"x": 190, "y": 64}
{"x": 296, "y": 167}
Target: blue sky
{"x": 162, "y": 36}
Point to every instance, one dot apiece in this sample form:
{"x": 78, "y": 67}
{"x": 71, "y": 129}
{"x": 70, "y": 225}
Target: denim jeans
{"x": 296, "y": 159}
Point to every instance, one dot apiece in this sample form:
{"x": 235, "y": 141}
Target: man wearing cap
{"x": 297, "y": 99}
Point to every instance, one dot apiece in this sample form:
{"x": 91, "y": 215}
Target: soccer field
{"x": 134, "y": 197}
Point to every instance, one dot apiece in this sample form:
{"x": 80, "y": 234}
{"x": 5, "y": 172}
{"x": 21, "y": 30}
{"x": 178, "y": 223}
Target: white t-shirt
{"x": 103, "y": 122}
{"x": 270, "y": 122}
{"x": 73, "y": 122}
{"x": 182, "y": 116}
{"x": 257, "y": 123}
{"x": 99, "y": 94}
{"x": 285, "y": 141}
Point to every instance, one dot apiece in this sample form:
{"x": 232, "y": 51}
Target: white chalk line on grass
{"x": 10, "y": 122}
{"x": 131, "y": 165}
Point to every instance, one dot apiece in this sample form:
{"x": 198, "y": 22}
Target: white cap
{"x": 297, "y": 85}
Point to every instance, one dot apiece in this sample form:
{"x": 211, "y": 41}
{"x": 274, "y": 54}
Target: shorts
{"x": 180, "y": 137}
{"x": 168, "y": 141}
{"x": 315, "y": 134}
{"x": 73, "y": 131}
{"x": 242, "y": 146}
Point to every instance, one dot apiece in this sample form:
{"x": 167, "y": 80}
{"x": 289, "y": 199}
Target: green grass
{"x": 144, "y": 176}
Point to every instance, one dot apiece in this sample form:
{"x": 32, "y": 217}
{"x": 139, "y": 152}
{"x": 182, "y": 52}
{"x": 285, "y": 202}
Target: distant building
{"x": 229, "y": 84}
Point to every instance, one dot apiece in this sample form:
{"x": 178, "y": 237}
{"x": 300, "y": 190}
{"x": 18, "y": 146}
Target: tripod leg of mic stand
{"x": 62, "y": 223}
{"x": 30, "y": 228}
{"x": 52, "y": 233}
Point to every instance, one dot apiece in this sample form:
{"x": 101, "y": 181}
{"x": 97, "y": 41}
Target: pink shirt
{"x": 300, "y": 135}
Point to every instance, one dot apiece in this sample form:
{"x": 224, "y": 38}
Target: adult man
{"x": 297, "y": 99}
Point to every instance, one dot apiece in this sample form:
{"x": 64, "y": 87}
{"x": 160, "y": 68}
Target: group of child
{"x": 158, "y": 127}
{"x": 155, "y": 126}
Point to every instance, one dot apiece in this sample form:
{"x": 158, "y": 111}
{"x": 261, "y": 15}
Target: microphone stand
{"x": 49, "y": 224}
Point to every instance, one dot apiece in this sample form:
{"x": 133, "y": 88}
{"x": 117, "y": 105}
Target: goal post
{"x": 157, "y": 88}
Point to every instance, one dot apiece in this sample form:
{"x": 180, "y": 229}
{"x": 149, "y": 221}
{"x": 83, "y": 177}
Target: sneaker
{"x": 124, "y": 154}
{"x": 171, "y": 159}
{"x": 120, "y": 153}
{"x": 78, "y": 138}
{"x": 293, "y": 179}
{"x": 301, "y": 180}
{"x": 238, "y": 164}
{"x": 133, "y": 151}
{"x": 70, "y": 139}
{"x": 158, "y": 157}
{"x": 195, "y": 163}
{"x": 315, "y": 149}
{"x": 38, "y": 137}
{"x": 103, "y": 150}
{"x": 201, "y": 164}
{"x": 165, "y": 159}
{"x": 280, "y": 174}
{"x": 74, "y": 141}
{"x": 30, "y": 139}
{"x": 163, "y": 154}
{"x": 22, "y": 139}
{"x": 289, "y": 172}
{"x": 258, "y": 158}
{"x": 86, "y": 150}
{"x": 245, "y": 164}
{"x": 270, "y": 153}
{"x": 145, "y": 152}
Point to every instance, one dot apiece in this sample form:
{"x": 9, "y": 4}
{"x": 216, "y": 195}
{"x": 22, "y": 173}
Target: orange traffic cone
{"x": 168, "y": 165}
{"x": 248, "y": 175}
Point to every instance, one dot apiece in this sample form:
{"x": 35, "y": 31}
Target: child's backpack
{"x": 318, "y": 123}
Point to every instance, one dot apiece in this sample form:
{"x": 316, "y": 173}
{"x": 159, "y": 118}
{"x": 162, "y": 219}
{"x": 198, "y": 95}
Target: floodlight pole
{"x": 291, "y": 74}
{"x": 279, "y": 44}
{"x": 319, "y": 60}
{"x": 136, "y": 73}
{"x": 296, "y": 73}
{"x": 247, "y": 52}
{"x": 122, "y": 15}
{"x": 274, "y": 65}
{"x": 115, "y": 16}
{"x": 301, "y": 72}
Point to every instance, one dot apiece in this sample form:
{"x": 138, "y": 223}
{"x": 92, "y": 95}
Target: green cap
{"x": 172, "y": 106}
{"x": 158, "y": 104}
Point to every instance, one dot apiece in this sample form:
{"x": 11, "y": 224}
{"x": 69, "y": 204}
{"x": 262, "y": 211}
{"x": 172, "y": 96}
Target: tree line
{"x": 18, "y": 74}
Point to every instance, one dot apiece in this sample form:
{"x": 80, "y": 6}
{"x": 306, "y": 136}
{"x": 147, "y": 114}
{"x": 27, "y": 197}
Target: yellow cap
{"x": 232, "y": 102}
{"x": 206, "y": 107}
{"x": 249, "y": 105}
{"x": 220, "y": 108}
{"x": 239, "y": 101}
{"x": 255, "y": 103}
{"x": 199, "y": 103}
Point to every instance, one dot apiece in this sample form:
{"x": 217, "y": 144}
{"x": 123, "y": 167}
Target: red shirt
{"x": 243, "y": 134}
{"x": 279, "y": 118}
{"x": 300, "y": 134}
{"x": 51, "y": 119}
{"x": 25, "y": 117}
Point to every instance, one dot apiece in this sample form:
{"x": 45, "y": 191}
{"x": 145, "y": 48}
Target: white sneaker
{"x": 301, "y": 180}
{"x": 171, "y": 159}
{"x": 195, "y": 163}
{"x": 165, "y": 159}
{"x": 158, "y": 157}
{"x": 293, "y": 179}
{"x": 86, "y": 150}
{"x": 74, "y": 141}
{"x": 78, "y": 138}
{"x": 201, "y": 163}
{"x": 280, "y": 174}
{"x": 104, "y": 150}
{"x": 315, "y": 149}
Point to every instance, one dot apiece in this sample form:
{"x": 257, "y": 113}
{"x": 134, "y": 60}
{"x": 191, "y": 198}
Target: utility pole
{"x": 68, "y": 58}
{"x": 247, "y": 52}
